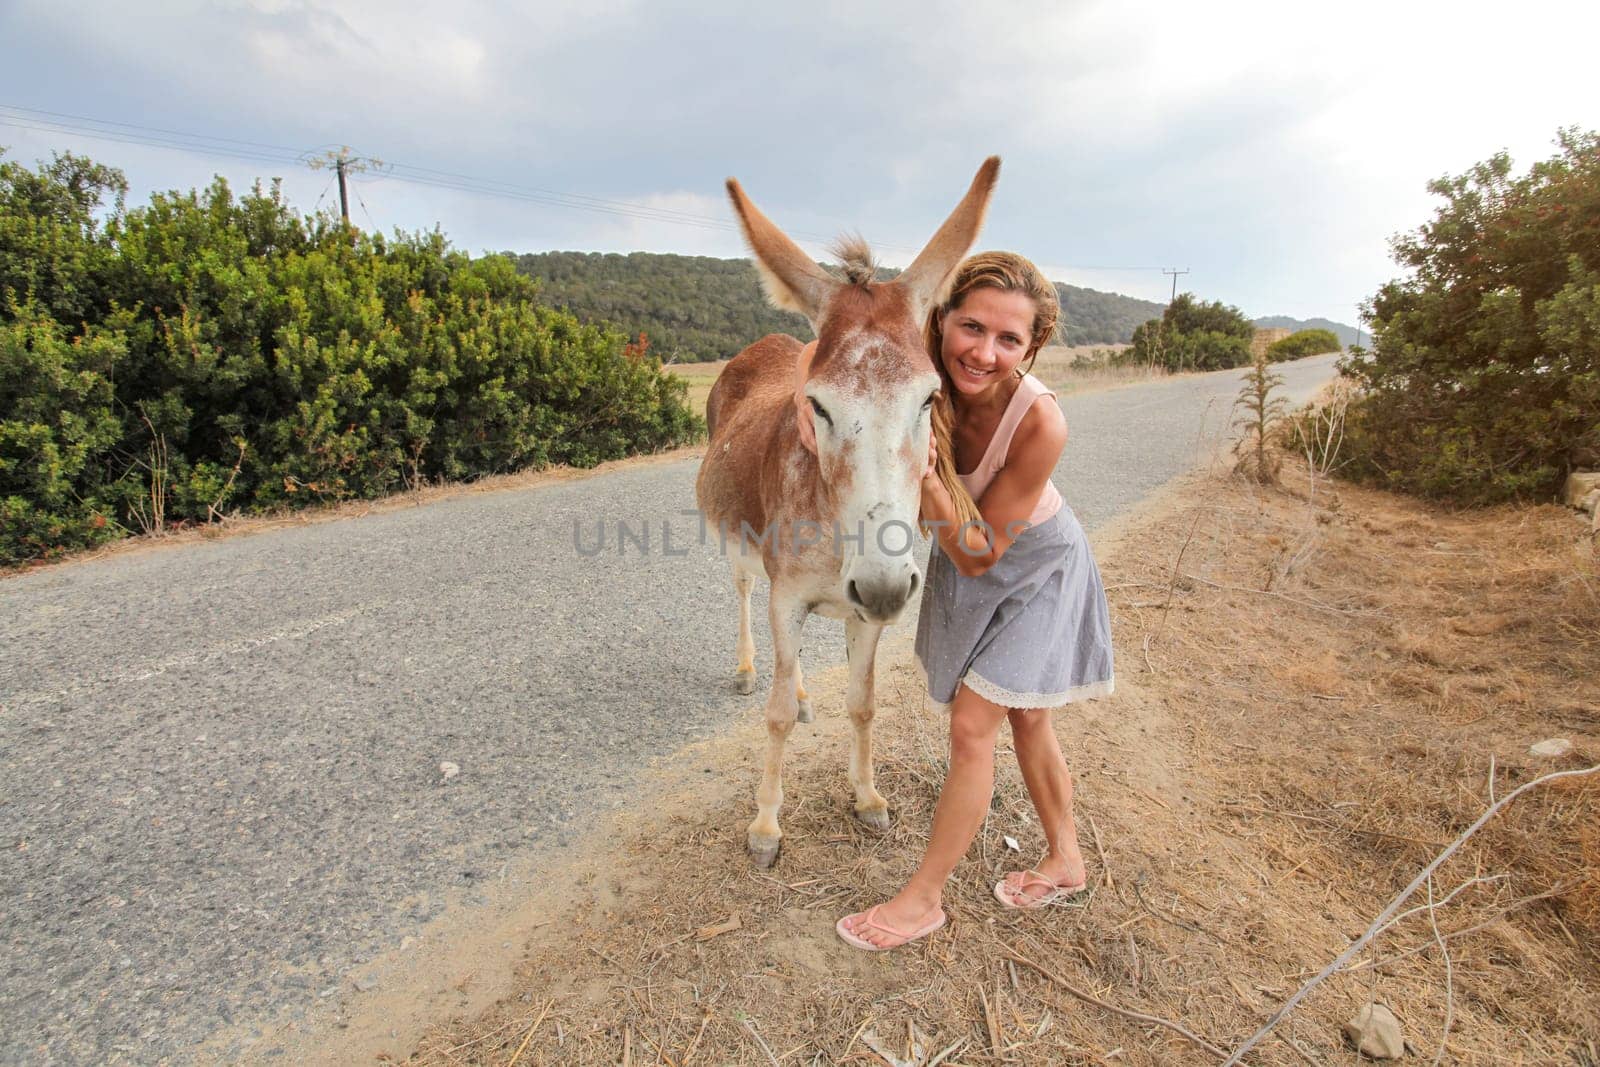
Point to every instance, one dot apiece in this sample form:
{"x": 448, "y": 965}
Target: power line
{"x": 260, "y": 152}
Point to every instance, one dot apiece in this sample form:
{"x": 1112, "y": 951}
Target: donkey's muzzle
{"x": 882, "y": 599}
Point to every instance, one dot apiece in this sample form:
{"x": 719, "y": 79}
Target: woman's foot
{"x": 1055, "y": 878}
{"x": 892, "y": 923}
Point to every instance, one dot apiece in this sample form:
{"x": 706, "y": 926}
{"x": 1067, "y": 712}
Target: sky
{"x": 1269, "y": 149}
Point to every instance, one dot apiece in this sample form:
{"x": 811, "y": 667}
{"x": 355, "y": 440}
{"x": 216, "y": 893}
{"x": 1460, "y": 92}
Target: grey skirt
{"x": 1033, "y": 631}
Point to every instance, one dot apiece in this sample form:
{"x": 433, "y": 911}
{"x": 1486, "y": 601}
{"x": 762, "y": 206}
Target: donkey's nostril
{"x": 854, "y": 594}
{"x": 914, "y": 579}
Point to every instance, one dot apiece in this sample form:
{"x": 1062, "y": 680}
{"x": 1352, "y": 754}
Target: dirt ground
{"x": 1319, "y": 688}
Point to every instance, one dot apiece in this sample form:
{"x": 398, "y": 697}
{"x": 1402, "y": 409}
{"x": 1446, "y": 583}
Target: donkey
{"x": 833, "y": 531}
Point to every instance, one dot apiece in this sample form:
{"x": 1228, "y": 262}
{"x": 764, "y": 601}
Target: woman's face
{"x": 985, "y": 337}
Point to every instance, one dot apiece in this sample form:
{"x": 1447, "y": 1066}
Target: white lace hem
{"x": 1008, "y": 698}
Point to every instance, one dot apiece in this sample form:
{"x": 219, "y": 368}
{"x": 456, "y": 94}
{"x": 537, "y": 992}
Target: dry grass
{"x": 701, "y": 377}
{"x": 1308, "y": 704}
{"x": 1085, "y": 368}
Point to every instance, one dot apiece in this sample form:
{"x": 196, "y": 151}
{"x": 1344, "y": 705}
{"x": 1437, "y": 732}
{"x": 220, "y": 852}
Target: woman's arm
{"x": 802, "y": 404}
{"x": 1010, "y": 498}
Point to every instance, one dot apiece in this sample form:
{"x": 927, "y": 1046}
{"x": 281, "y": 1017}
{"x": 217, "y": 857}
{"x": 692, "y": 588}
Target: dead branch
{"x": 1136, "y": 1016}
{"x": 529, "y": 1035}
{"x": 1449, "y": 978}
{"x": 1393, "y": 906}
{"x": 750, "y": 1029}
{"x": 1474, "y": 928}
{"x": 1304, "y": 602}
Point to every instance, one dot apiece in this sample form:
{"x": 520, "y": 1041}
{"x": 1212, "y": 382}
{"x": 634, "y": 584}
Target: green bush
{"x": 1303, "y": 343}
{"x": 1193, "y": 335}
{"x": 1483, "y": 380}
{"x": 208, "y": 352}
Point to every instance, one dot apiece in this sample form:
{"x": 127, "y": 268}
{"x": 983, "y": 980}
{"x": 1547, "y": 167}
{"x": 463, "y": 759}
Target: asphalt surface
{"x": 222, "y": 785}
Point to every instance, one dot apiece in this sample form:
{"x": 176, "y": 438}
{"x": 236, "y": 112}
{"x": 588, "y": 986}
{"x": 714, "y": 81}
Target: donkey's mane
{"x": 855, "y": 259}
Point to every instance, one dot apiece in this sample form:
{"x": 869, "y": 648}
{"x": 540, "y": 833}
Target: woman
{"x": 1013, "y": 620}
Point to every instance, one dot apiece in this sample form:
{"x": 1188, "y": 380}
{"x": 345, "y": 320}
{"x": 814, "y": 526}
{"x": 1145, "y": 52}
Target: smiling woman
{"x": 1014, "y": 619}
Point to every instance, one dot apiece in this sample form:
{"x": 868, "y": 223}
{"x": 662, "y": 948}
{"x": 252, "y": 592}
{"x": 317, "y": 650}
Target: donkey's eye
{"x": 928, "y": 403}
{"x": 819, "y": 410}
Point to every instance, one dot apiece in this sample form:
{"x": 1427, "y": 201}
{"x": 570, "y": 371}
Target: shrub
{"x": 208, "y": 351}
{"x": 1194, "y": 335}
{"x": 1483, "y": 380}
{"x": 1259, "y": 415}
{"x": 1303, "y": 343}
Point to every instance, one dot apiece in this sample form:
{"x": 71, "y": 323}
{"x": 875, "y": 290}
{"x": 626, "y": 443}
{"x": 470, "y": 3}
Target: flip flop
{"x": 869, "y": 918}
{"x": 1056, "y": 894}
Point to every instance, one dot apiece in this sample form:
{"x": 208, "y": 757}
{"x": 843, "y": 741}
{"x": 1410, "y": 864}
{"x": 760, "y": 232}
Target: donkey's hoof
{"x": 763, "y": 850}
{"x": 804, "y": 713}
{"x": 745, "y": 682}
{"x": 874, "y": 818}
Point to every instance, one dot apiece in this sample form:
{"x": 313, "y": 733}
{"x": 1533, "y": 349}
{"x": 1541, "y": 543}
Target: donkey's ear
{"x": 792, "y": 280}
{"x": 928, "y": 278}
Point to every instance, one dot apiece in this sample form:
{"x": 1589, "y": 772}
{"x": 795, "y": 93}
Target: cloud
{"x": 1272, "y": 148}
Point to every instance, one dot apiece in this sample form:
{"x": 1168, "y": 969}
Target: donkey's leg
{"x": 788, "y": 616}
{"x": 861, "y": 646}
{"x": 804, "y": 714}
{"x": 745, "y": 677}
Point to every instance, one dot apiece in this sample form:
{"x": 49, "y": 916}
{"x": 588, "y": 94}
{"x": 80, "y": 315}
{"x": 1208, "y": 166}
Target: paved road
{"x": 222, "y": 786}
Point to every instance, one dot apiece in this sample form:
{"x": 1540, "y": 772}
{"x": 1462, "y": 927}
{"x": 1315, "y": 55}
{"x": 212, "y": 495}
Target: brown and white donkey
{"x": 834, "y": 532}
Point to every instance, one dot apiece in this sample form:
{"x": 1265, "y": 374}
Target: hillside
{"x": 1347, "y": 335}
{"x": 1095, "y": 318}
{"x": 698, "y": 308}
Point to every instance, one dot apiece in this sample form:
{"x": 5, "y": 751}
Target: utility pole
{"x": 344, "y": 163}
{"x": 1175, "y": 272}
{"x": 1162, "y": 333}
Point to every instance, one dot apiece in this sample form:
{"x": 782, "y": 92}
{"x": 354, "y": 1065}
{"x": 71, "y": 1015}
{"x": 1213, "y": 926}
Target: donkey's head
{"x": 872, "y": 385}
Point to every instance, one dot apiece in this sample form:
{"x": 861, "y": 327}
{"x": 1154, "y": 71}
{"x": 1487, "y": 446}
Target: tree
{"x": 1194, "y": 335}
{"x": 1303, "y": 343}
{"x": 209, "y": 351}
{"x": 1483, "y": 380}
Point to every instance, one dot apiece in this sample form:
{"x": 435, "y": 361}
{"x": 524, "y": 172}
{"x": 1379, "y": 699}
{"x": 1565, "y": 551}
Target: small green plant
{"x": 1259, "y": 415}
{"x": 1303, "y": 343}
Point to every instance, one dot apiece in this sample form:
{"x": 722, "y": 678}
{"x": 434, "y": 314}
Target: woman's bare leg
{"x": 963, "y": 802}
{"x": 1044, "y": 770}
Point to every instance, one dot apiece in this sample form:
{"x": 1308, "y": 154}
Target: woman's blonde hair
{"x": 1009, "y": 273}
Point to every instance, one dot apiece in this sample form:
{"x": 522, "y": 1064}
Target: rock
{"x": 1579, "y": 485}
{"x": 1554, "y": 746}
{"x": 366, "y": 984}
{"x": 1591, "y": 503}
{"x": 1376, "y": 1032}
{"x": 449, "y": 770}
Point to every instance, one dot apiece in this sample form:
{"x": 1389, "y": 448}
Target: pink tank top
{"x": 994, "y": 457}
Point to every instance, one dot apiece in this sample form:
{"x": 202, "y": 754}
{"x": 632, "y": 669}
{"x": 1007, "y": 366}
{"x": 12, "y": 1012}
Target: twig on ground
{"x": 1329, "y": 822}
{"x": 1442, "y": 901}
{"x": 1449, "y": 978}
{"x": 1302, "y": 1053}
{"x": 1182, "y": 924}
{"x": 1172, "y": 582}
{"x": 1105, "y": 868}
{"x": 527, "y": 1037}
{"x": 1136, "y": 1016}
{"x": 750, "y": 1029}
{"x": 1474, "y": 928}
{"x": 704, "y": 1019}
{"x": 1302, "y": 601}
{"x": 1394, "y": 905}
